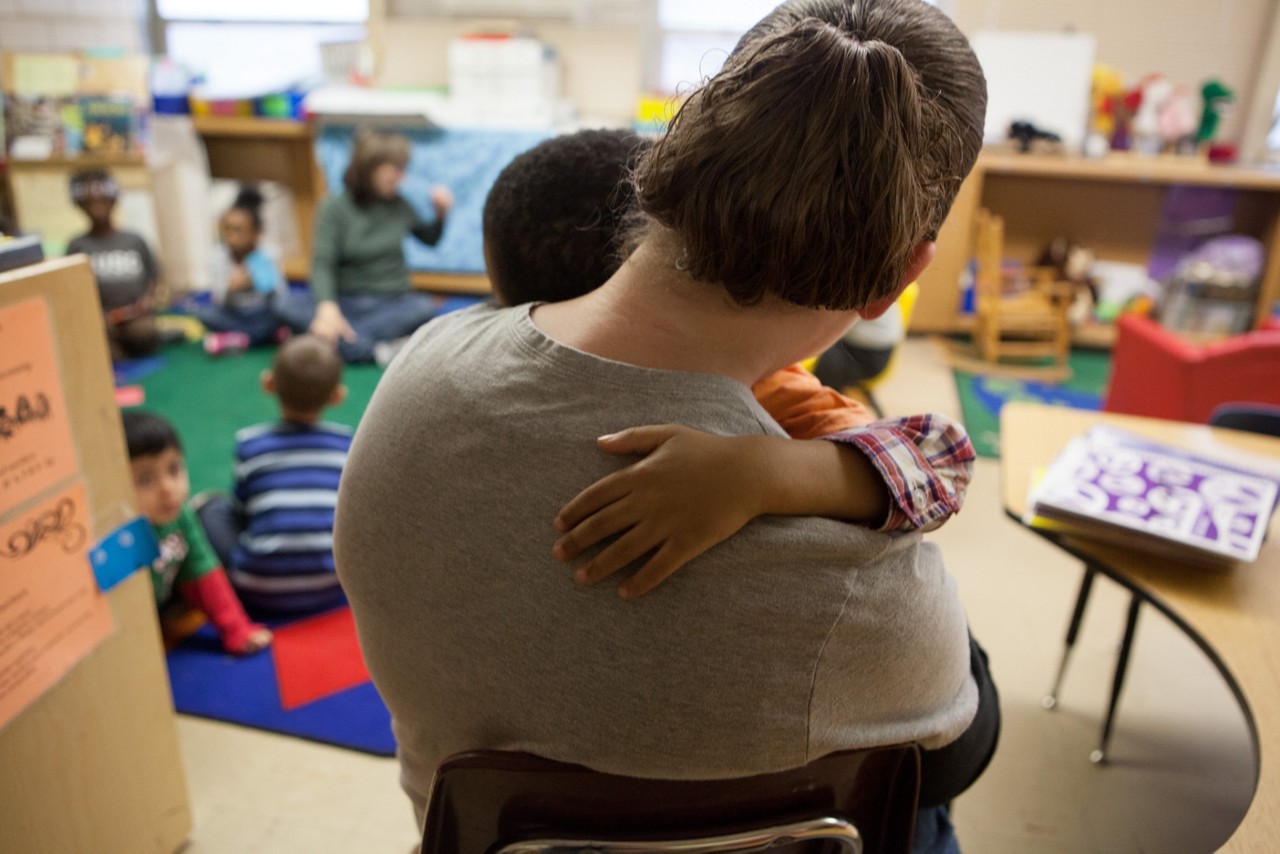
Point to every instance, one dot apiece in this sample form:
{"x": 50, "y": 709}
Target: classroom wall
{"x": 604, "y": 67}
{"x": 57, "y": 25}
{"x": 601, "y": 68}
{"x": 1187, "y": 40}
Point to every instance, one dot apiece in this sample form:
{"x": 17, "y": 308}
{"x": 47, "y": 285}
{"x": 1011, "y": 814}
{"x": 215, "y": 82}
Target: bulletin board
{"x": 1042, "y": 78}
{"x": 90, "y": 762}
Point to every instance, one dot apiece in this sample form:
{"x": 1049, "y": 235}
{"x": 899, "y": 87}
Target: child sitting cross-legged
{"x": 187, "y": 564}
{"x": 276, "y": 534}
{"x": 247, "y": 284}
{"x": 555, "y": 225}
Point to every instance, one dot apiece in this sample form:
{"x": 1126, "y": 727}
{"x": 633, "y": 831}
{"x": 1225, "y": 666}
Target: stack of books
{"x": 1119, "y": 488}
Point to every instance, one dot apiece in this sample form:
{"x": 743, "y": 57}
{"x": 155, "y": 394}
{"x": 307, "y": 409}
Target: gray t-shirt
{"x": 122, "y": 263}
{"x": 794, "y": 638}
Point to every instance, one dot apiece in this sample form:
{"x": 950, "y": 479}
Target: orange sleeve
{"x": 806, "y": 408}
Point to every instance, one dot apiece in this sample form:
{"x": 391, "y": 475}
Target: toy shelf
{"x": 1112, "y": 205}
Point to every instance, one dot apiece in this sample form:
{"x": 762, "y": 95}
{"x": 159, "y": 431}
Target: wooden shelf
{"x": 1123, "y": 168}
{"x": 1113, "y": 205}
{"x": 451, "y": 283}
{"x": 250, "y": 126}
{"x": 83, "y": 161}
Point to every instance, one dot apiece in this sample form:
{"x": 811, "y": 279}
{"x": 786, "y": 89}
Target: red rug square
{"x": 317, "y": 657}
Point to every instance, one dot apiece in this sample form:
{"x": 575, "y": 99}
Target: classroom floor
{"x": 1178, "y": 781}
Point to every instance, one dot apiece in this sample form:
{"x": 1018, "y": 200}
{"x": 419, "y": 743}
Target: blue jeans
{"x": 934, "y": 833}
{"x": 374, "y": 317}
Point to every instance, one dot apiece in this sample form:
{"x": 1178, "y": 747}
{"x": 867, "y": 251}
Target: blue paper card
{"x": 123, "y": 551}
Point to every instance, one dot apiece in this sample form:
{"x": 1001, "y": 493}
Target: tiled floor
{"x": 1181, "y": 764}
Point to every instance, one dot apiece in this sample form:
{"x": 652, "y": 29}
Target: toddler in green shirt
{"x": 187, "y": 563}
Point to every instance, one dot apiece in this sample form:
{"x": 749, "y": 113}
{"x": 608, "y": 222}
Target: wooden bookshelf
{"x": 1112, "y": 205}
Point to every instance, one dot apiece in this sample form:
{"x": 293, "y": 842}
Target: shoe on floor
{"x": 217, "y": 343}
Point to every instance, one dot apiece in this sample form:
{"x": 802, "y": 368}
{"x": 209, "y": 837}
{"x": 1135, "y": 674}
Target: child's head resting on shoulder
{"x": 94, "y": 191}
{"x": 160, "y": 483}
{"x": 305, "y": 377}
{"x": 241, "y": 225}
{"x": 553, "y": 221}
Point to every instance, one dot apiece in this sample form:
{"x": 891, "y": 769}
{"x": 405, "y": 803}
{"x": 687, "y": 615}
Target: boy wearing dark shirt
{"x": 122, "y": 263}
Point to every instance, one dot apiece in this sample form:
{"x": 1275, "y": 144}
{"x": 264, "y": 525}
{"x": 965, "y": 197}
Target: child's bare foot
{"x": 258, "y": 640}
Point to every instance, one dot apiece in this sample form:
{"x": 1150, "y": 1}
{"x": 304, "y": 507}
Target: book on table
{"x": 1119, "y": 488}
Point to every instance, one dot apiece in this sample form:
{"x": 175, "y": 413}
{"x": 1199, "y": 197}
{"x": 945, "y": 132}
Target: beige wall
{"x": 58, "y": 25}
{"x": 1188, "y": 40}
{"x": 602, "y": 69}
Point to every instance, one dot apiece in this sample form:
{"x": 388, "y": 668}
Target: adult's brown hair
{"x": 306, "y": 371}
{"x": 373, "y": 148}
{"x": 831, "y": 144}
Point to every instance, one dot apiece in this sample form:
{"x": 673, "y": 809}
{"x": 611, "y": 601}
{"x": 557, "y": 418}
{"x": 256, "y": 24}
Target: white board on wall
{"x": 1042, "y": 78}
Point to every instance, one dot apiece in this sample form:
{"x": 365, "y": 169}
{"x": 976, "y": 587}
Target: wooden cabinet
{"x": 1112, "y": 205}
{"x": 92, "y": 764}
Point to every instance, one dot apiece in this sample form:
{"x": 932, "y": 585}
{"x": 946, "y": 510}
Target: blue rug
{"x": 209, "y": 683}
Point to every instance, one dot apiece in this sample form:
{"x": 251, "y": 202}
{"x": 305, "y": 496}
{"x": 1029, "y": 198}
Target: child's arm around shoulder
{"x": 925, "y": 461}
{"x": 693, "y": 490}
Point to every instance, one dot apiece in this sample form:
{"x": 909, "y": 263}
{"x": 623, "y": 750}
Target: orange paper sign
{"x": 51, "y": 612}
{"x": 36, "y": 448}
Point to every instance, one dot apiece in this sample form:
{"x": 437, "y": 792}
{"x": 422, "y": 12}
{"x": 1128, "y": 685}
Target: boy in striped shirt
{"x": 278, "y": 529}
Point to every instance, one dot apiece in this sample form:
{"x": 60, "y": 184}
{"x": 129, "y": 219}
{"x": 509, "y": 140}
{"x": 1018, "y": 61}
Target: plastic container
{"x": 170, "y": 84}
{"x": 279, "y": 105}
{"x": 236, "y": 107}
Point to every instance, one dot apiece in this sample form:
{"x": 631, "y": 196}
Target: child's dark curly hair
{"x": 553, "y": 219}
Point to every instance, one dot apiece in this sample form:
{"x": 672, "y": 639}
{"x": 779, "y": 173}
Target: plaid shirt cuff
{"x": 926, "y": 462}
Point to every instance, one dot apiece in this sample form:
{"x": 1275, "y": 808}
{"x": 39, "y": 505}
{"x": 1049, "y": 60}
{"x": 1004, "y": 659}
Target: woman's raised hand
{"x": 442, "y": 200}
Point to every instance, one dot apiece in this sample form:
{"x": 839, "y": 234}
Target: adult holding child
{"x": 797, "y": 191}
{"x": 359, "y": 281}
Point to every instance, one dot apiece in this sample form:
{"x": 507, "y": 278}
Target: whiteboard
{"x": 1043, "y": 78}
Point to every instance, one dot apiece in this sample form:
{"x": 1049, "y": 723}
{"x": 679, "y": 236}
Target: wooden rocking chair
{"x": 1027, "y": 324}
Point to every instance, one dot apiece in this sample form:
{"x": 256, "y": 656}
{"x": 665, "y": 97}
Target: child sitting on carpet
{"x": 276, "y": 535}
{"x": 555, "y": 223}
{"x": 247, "y": 285}
{"x": 123, "y": 265}
{"x": 187, "y": 563}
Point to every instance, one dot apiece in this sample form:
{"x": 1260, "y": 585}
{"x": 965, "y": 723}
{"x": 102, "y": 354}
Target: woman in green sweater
{"x": 359, "y": 280}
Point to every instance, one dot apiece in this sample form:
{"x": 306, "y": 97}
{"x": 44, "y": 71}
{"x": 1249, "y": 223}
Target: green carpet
{"x": 208, "y": 399}
{"x": 982, "y": 397}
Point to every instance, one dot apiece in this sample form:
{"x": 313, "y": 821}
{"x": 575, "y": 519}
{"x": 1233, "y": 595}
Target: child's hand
{"x": 239, "y": 279}
{"x": 691, "y": 491}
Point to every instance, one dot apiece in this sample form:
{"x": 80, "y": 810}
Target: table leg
{"x": 1050, "y": 700}
{"x": 1122, "y": 664}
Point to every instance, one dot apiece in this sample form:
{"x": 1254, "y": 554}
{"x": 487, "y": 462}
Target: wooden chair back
{"x": 989, "y": 253}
